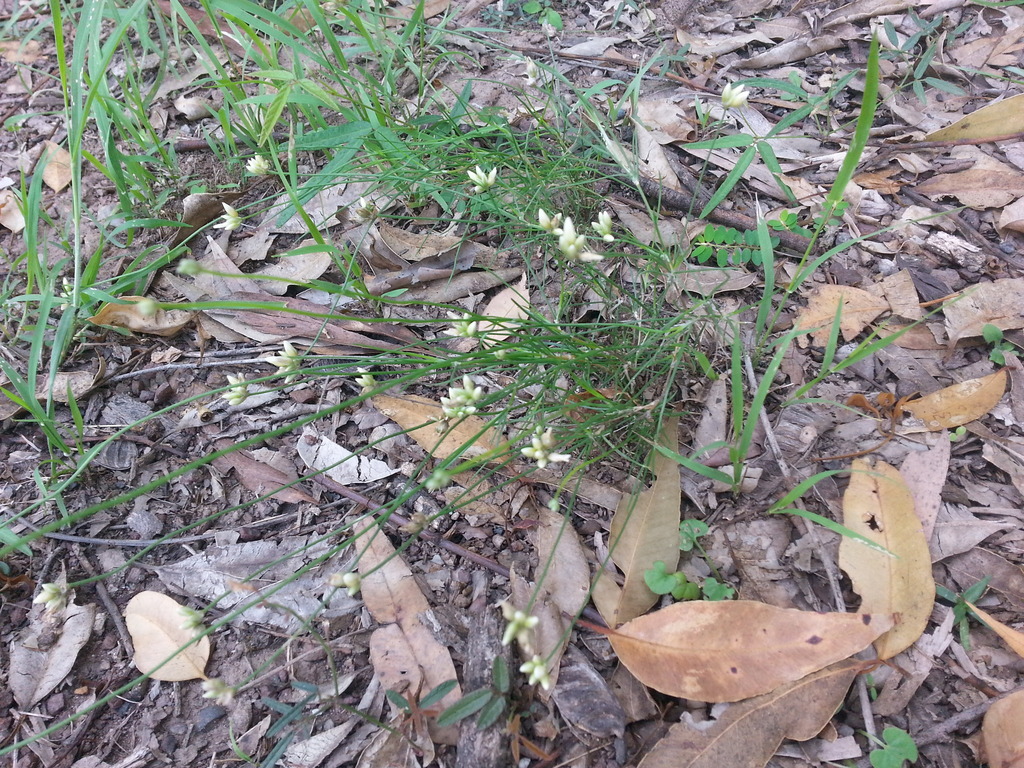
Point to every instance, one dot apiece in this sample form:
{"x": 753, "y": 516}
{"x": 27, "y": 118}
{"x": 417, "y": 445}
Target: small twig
{"x": 108, "y": 603}
{"x": 941, "y": 731}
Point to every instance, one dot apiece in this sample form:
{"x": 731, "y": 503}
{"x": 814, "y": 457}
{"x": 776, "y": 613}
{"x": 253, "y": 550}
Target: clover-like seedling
{"x": 898, "y": 748}
{"x": 660, "y": 582}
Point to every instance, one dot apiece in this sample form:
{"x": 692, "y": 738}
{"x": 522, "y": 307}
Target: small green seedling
{"x": 897, "y": 749}
{"x": 960, "y": 609}
{"x": 489, "y": 702}
{"x": 958, "y": 434}
{"x": 1001, "y": 348}
{"x": 543, "y": 10}
{"x": 661, "y": 582}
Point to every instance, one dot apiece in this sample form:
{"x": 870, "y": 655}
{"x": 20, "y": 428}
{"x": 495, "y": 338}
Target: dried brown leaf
{"x": 644, "y": 530}
{"x": 1012, "y": 637}
{"x": 999, "y": 119}
{"x": 164, "y": 322}
{"x": 37, "y": 666}
{"x": 154, "y": 622}
{"x": 749, "y": 733}
{"x": 959, "y": 403}
{"x": 259, "y": 477}
{"x": 419, "y": 416}
{"x": 727, "y": 651}
{"x": 878, "y": 506}
{"x": 1001, "y": 734}
{"x": 859, "y": 308}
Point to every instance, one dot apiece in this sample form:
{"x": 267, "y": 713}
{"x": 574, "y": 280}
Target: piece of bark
{"x": 487, "y": 747}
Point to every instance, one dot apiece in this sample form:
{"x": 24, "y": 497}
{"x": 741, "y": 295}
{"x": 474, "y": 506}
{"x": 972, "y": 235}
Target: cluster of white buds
{"x": 438, "y": 479}
{"x": 258, "y": 165}
{"x": 533, "y": 76}
{"x": 572, "y": 245}
{"x": 463, "y": 326}
{"x": 365, "y": 379}
{"x": 54, "y": 597}
{"x": 349, "y": 581}
{"x": 536, "y": 670}
{"x": 482, "y": 180}
{"x": 191, "y": 619}
{"x": 541, "y": 448}
{"x": 603, "y": 226}
{"x": 461, "y": 401}
{"x": 238, "y": 393}
{"x": 365, "y": 210}
{"x": 232, "y": 219}
{"x": 219, "y": 691}
{"x": 289, "y": 361}
{"x": 734, "y": 96}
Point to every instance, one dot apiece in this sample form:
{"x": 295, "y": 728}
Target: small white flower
{"x": 588, "y": 257}
{"x": 571, "y": 244}
{"x": 482, "y": 181}
{"x": 461, "y": 401}
{"x": 537, "y": 670}
{"x": 365, "y": 210}
{"x": 734, "y": 97}
{"x": 238, "y": 393}
{"x": 146, "y": 307}
{"x": 349, "y": 581}
{"x": 258, "y": 165}
{"x": 219, "y": 691}
{"x": 540, "y": 449}
{"x": 231, "y": 219}
{"x": 189, "y": 267}
{"x": 365, "y": 379}
{"x": 191, "y": 619}
{"x": 549, "y": 223}
{"x": 519, "y": 626}
{"x": 463, "y": 327}
{"x": 603, "y": 226}
{"x": 438, "y": 480}
{"x": 52, "y": 596}
{"x": 289, "y": 361}
{"x": 533, "y": 76}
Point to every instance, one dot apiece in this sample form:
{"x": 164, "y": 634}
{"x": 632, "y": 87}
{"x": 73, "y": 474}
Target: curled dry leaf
{"x": 1001, "y": 734}
{"x": 727, "y": 651}
{"x": 993, "y": 120}
{"x": 878, "y": 505}
{"x": 154, "y": 623}
{"x": 164, "y": 322}
{"x": 749, "y": 733}
{"x": 11, "y": 215}
{"x": 960, "y": 403}
{"x": 57, "y": 168}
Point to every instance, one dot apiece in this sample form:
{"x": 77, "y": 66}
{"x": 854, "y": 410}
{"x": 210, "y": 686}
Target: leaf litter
{"x": 939, "y": 492}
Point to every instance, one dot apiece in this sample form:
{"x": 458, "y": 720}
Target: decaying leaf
{"x": 57, "y": 168}
{"x": 858, "y": 309}
{"x": 420, "y": 416}
{"x": 45, "y": 652}
{"x": 154, "y": 622}
{"x": 563, "y": 569}
{"x": 11, "y": 215}
{"x": 924, "y": 473}
{"x": 644, "y": 530}
{"x": 727, "y": 651}
{"x": 1001, "y": 734}
{"x": 259, "y": 477}
{"x": 1012, "y": 637}
{"x": 878, "y": 505}
{"x": 997, "y": 303}
{"x": 163, "y": 322}
{"x": 959, "y": 403}
{"x": 991, "y": 121}
{"x": 338, "y": 463}
{"x": 749, "y": 733}
{"x": 393, "y": 598}
{"x": 511, "y": 304}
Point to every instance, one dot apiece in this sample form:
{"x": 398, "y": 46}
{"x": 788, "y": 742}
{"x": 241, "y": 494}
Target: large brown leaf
{"x": 645, "y": 529}
{"x": 878, "y": 506}
{"x": 727, "y": 651}
{"x": 749, "y": 733}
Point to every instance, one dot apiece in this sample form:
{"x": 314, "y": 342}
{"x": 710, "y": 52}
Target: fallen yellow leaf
{"x": 960, "y": 403}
